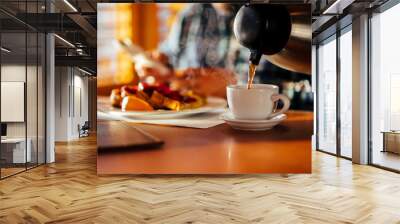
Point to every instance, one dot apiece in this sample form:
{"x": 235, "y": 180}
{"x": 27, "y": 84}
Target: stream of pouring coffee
{"x": 251, "y": 74}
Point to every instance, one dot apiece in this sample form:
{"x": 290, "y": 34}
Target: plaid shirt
{"x": 201, "y": 37}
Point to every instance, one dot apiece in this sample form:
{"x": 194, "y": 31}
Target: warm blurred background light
{"x": 146, "y": 25}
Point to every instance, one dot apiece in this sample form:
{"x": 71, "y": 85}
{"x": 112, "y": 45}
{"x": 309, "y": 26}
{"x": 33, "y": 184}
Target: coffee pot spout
{"x": 281, "y": 33}
{"x": 255, "y": 56}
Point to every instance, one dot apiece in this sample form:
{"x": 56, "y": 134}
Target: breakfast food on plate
{"x": 116, "y": 98}
{"x": 135, "y": 103}
{"x": 145, "y": 97}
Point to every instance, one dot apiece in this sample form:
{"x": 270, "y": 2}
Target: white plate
{"x": 253, "y": 125}
{"x": 214, "y": 104}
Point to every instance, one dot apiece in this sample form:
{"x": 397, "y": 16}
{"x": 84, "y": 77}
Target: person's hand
{"x": 152, "y": 74}
{"x": 204, "y": 81}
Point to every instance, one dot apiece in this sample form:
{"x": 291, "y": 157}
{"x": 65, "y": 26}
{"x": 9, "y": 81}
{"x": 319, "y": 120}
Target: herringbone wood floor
{"x": 70, "y": 192}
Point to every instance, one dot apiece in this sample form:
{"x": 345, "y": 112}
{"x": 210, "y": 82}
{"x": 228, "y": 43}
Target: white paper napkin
{"x": 204, "y": 120}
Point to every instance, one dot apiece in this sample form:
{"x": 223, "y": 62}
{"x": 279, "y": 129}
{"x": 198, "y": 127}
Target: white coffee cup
{"x": 256, "y": 103}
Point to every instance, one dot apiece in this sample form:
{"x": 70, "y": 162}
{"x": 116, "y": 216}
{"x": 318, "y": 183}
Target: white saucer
{"x": 252, "y": 125}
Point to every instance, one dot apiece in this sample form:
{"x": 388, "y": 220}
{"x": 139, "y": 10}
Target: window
{"x": 385, "y": 89}
{"x": 346, "y": 95}
{"x": 334, "y": 106}
{"x": 326, "y": 79}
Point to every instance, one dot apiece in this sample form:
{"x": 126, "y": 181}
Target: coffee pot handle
{"x": 286, "y": 104}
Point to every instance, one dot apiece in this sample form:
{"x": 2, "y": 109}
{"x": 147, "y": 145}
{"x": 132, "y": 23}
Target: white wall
{"x": 33, "y": 127}
{"x": 17, "y": 73}
{"x": 81, "y": 83}
{"x": 71, "y": 94}
{"x": 61, "y": 104}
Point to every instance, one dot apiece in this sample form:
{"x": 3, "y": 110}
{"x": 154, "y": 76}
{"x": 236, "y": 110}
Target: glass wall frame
{"x": 23, "y": 55}
{"x": 338, "y": 144}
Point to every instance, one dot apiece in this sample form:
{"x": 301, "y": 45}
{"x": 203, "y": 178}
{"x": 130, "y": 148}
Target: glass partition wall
{"x": 22, "y": 77}
{"x": 334, "y": 94}
{"x": 385, "y": 89}
{"x": 326, "y": 59}
{"x": 345, "y": 92}
{"x": 383, "y": 84}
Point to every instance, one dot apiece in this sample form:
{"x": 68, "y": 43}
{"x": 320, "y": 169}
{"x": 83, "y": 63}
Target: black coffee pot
{"x": 282, "y": 33}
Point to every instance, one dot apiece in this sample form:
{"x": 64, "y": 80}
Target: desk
{"x": 218, "y": 150}
{"x": 16, "y": 153}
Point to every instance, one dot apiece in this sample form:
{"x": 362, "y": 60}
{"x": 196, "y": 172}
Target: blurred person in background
{"x": 202, "y": 47}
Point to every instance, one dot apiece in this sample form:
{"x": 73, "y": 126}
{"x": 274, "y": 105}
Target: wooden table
{"x": 218, "y": 150}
